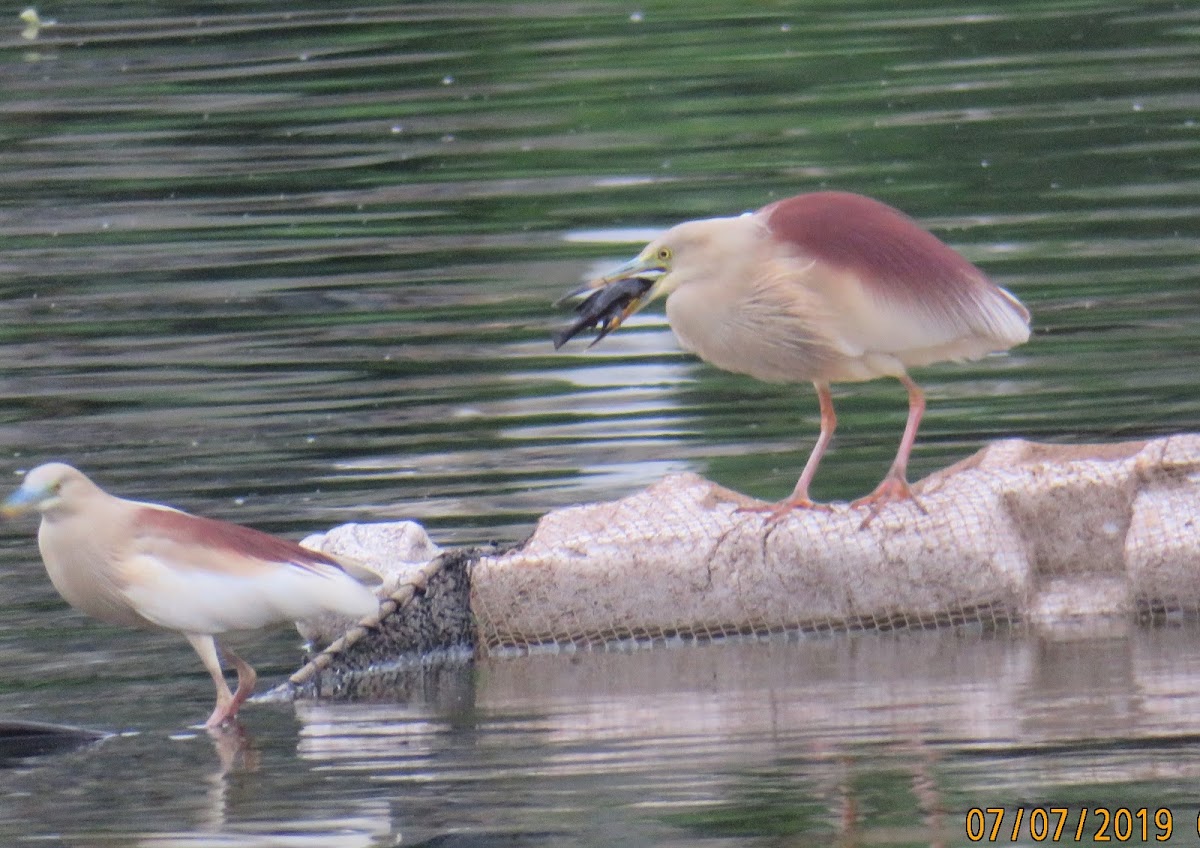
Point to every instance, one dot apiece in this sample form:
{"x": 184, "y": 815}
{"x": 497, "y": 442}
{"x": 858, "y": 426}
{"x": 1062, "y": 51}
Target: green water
{"x": 294, "y": 268}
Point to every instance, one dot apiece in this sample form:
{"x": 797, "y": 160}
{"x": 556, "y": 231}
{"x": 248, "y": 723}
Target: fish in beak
{"x": 607, "y": 301}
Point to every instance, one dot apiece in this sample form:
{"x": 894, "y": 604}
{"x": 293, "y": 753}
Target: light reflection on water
{"x": 877, "y": 738}
{"x": 295, "y": 269}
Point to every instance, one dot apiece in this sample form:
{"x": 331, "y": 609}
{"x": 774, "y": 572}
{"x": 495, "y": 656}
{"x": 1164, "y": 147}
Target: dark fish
{"x": 605, "y": 308}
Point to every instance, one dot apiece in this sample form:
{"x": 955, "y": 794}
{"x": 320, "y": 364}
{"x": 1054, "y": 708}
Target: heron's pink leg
{"x": 204, "y": 645}
{"x": 894, "y": 486}
{"x": 246, "y": 680}
{"x": 227, "y": 702}
{"x": 799, "y": 498}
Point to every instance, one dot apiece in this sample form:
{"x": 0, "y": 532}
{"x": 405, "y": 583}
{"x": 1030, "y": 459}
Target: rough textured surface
{"x": 396, "y": 551}
{"x": 1024, "y": 531}
{"x": 424, "y": 625}
{"x": 1044, "y": 534}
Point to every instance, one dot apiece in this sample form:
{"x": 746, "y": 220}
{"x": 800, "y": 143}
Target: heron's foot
{"x": 222, "y": 714}
{"x": 776, "y": 511}
{"x": 891, "y": 490}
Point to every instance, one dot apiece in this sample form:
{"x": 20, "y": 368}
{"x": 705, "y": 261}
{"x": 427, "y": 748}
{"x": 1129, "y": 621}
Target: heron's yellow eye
{"x": 664, "y": 254}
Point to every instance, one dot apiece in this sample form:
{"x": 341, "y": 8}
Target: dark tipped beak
{"x": 18, "y": 503}
{"x": 636, "y": 268}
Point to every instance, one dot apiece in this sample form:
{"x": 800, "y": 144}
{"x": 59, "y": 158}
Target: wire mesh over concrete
{"x": 1021, "y": 531}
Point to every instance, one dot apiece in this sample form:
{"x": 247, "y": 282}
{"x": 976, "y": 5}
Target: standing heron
{"x": 824, "y": 287}
{"x": 142, "y": 565}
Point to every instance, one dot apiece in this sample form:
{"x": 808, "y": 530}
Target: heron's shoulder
{"x": 182, "y": 528}
{"x": 891, "y": 256}
{"x": 881, "y": 245}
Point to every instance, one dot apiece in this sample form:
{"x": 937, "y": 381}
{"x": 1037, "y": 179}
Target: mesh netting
{"x": 1019, "y": 532}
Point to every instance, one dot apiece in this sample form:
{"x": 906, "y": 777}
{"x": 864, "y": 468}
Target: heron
{"x": 823, "y": 287}
{"x": 143, "y": 565}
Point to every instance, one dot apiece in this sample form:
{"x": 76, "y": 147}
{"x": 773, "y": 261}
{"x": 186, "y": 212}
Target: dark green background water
{"x": 293, "y": 267}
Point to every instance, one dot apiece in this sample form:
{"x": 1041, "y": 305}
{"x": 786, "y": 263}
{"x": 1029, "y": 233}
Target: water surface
{"x": 294, "y": 268}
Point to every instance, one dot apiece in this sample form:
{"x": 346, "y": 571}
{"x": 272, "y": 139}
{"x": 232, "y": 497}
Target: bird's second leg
{"x": 894, "y": 486}
{"x": 247, "y": 678}
{"x": 799, "y": 498}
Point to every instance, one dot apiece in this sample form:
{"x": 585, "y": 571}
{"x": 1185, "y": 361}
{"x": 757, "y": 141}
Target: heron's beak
{"x": 20, "y": 502}
{"x": 612, "y": 298}
{"x": 636, "y": 268}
